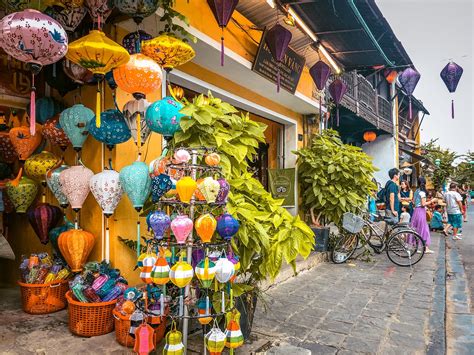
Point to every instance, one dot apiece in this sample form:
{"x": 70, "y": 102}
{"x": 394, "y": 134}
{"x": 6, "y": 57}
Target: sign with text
{"x": 290, "y": 69}
{"x": 282, "y": 185}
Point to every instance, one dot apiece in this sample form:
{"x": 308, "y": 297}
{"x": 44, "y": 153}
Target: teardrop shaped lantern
{"x": 168, "y": 51}
{"x": 186, "y": 187}
{"x": 205, "y": 272}
{"x": 159, "y": 222}
{"x": 107, "y": 190}
{"x": 23, "y": 194}
{"x": 277, "y": 39}
{"x": 136, "y": 183}
{"x": 181, "y": 274}
{"x": 24, "y": 142}
{"x": 75, "y": 246}
{"x": 52, "y": 180}
{"x": 181, "y": 226}
{"x": 42, "y": 218}
{"x": 209, "y": 189}
{"x": 227, "y": 226}
{"x": 409, "y": 79}
{"x": 233, "y": 334}
{"x": 134, "y": 114}
{"x": 113, "y": 129}
{"x": 7, "y": 150}
{"x": 75, "y": 185}
{"x": 224, "y": 190}
{"x": 137, "y": 10}
{"x": 163, "y": 117}
{"x": 337, "y": 90}
{"x": 160, "y": 274}
{"x": 36, "y": 39}
{"x": 38, "y": 165}
{"x": 53, "y": 132}
{"x": 451, "y": 74}
{"x": 225, "y": 269}
{"x": 320, "y": 73}
{"x": 132, "y": 41}
{"x": 160, "y": 185}
{"x": 75, "y": 122}
{"x": 205, "y": 227}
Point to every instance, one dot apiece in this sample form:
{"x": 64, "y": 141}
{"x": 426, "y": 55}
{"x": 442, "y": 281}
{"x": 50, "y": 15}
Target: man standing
{"x": 392, "y": 200}
{"x": 454, "y": 208}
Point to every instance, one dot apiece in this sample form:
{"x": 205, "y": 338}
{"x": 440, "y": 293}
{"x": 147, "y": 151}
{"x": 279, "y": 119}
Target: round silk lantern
{"x": 209, "y": 189}
{"x": 204, "y": 308}
{"x": 34, "y": 38}
{"x": 78, "y": 74}
{"x": 74, "y": 121}
{"x": 7, "y": 150}
{"x": 134, "y": 114}
{"x": 75, "y": 185}
{"x": 38, "y": 165}
{"x": 137, "y": 10}
{"x": 182, "y": 156}
{"x": 147, "y": 266}
{"x": 24, "y": 142}
{"x": 23, "y": 194}
{"x": 136, "y": 183}
{"x": 233, "y": 334}
{"x": 42, "y": 218}
{"x": 75, "y": 246}
{"x": 163, "y": 117}
{"x": 205, "y": 272}
{"x": 159, "y": 222}
{"x": 52, "y": 180}
{"x": 107, "y": 190}
{"x": 212, "y": 159}
{"x": 160, "y": 274}
{"x": 70, "y": 17}
{"x": 215, "y": 341}
{"x": 370, "y": 136}
{"x": 113, "y": 129}
{"x": 227, "y": 226}
{"x": 174, "y": 343}
{"x": 53, "y": 132}
{"x": 186, "y": 187}
{"x": 224, "y": 190}
{"x": 225, "y": 269}
{"x": 160, "y": 185}
{"x": 132, "y": 41}
{"x": 168, "y": 51}
{"x": 181, "y": 274}
{"x": 205, "y": 227}
{"x": 181, "y": 226}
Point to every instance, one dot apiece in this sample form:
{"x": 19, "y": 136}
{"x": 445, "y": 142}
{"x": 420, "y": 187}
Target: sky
{"x": 433, "y": 32}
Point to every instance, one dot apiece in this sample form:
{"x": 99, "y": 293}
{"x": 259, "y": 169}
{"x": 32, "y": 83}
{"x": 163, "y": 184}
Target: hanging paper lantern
{"x": 205, "y": 272}
{"x": 38, "y": 165}
{"x": 75, "y": 246}
{"x": 390, "y": 75}
{"x": 57, "y": 79}
{"x": 54, "y": 234}
{"x": 99, "y": 10}
{"x": 320, "y": 73}
{"x": 181, "y": 226}
{"x": 24, "y": 142}
{"x": 182, "y": 156}
{"x": 52, "y": 180}
{"x": 215, "y": 341}
{"x": 233, "y": 334}
{"x": 7, "y": 150}
{"x": 337, "y": 90}
{"x": 227, "y": 226}
{"x": 53, "y": 132}
{"x": 210, "y": 189}
{"x": 159, "y": 222}
{"x": 74, "y": 121}
{"x": 136, "y": 183}
{"x": 160, "y": 185}
{"x": 201, "y": 306}
{"x": 147, "y": 266}
{"x": 143, "y": 256}
{"x": 160, "y": 274}
{"x": 186, "y": 187}
{"x": 23, "y": 194}
{"x": 78, "y": 74}
{"x": 109, "y": 77}
{"x": 181, "y": 274}
{"x": 198, "y": 194}
{"x": 408, "y": 79}
{"x": 132, "y": 41}
{"x": 212, "y": 159}
{"x": 75, "y": 185}
{"x": 168, "y": 51}
{"x": 163, "y": 117}
{"x": 42, "y": 218}
{"x": 113, "y": 129}
{"x": 70, "y": 17}
{"x": 158, "y": 166}
{"x": 137, "y": 9}
{"x": 224, "y": 190}
{"x": 133, "y": 111}
{"x": 224, "y": 270}
{"x": 205, "y": 227}
{"x": 174, "y": 343}
{"x": 99, "y": 54}
{"x": 107, "y": 190}
{"x": 370, "y": 136}
{"x": 36, "y": 39}
{"x": 277, "y": 39}
{"x": 451, "y": 74}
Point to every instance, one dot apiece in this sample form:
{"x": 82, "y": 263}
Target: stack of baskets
{"x": 44, "y": 298}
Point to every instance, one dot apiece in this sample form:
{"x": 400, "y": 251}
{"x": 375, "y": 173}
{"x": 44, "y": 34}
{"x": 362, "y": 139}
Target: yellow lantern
{"x": 174, "y": 342}
{"x": 168, "y": 51}
{"x": 205, "y": 227}
{"x": 186, "y": 187}
{"x": 38, "y": 165}
{"x": 181, "y": 274}
{"x": 99, "y": 54}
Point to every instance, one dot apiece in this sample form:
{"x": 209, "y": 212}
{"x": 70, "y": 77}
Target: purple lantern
{"x": 42, "y": 218}
{"x": 222, "y": 10}
{"x": 160, "y": 185}
{"x": 277, "y": 39}
{"x": 337, "y": 90}
{"x": 451, "y": 74}
{"x": 320, "y": 73}
{"x": 408, "y": 79}
{"x": 159, "y": 222}
{"x": 227, "y": 226}
{"x": 223, "y": 191}
{"x": 132, "y": 41}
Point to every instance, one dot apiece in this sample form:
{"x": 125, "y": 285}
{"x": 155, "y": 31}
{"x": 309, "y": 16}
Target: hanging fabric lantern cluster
{"x": 52, "y": 180}
{"x": 337, "y": 90}
{"x": 277, "y": 39}
{"x": 451, "y": 74}
{"x": 136, "y": 183}
{"x": 75, "y": 185}
{"x": 168, "y": 51}
{"x": 409, "y": 79}
{"x": 113, "y": 129}
{"x": 43, "y": 218}
{"x": 163, "y": 117}
{"x": 320, "y": 73}
{"x": 107, "y": 190}
{"x": 75, "y": 122}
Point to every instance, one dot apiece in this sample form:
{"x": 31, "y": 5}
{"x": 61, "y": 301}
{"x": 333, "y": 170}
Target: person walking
{"x": 454, "y": 207}
{"x": 406, "y": 197}
{"x": 392, "y": 199}
{"x": 418, "y": 221}
{"x": 464, "y": 192}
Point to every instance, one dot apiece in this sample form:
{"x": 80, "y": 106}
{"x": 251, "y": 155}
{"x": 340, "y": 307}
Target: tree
{"x": 443, "y": 158}
{"x": 464, "y": 172}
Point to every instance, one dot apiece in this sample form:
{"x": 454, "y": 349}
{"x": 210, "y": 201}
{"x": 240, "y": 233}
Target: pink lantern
{"x": 75, "y": 185}
{"x": 107, "y": 190}
{"x": 34, "y": 38}
{"x": 181, "y": 226}
{"x": 182, "y": 156}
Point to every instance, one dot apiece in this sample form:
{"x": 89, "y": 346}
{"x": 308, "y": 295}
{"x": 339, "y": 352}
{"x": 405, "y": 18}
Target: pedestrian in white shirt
{"x": 454, "y": 208}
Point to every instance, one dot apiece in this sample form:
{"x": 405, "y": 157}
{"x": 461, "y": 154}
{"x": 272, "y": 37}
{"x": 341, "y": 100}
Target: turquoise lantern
{"x": 74, "y": 122}
{"x": 113, "y": 129}
{"x": 136, "y": 183}
{"x": 46, "y": 107}
{"x": 163, "y": 117}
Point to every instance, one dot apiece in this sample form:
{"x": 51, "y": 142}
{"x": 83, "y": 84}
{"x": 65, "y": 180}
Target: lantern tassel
{"x": 337, "y": 116}
{"x": 409, "y": 108}
{"x": 452, "y": 109}
{"x": 320, "y": 108}
{"x": 139, "y": 131}
{"x": 97, "y": 107}
{"x": 222, "y": 50}
{"x": 33, "y": 107}
{"x": 138, "y": 238}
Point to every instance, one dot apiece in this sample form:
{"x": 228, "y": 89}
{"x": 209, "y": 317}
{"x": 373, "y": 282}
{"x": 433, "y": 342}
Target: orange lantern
{"x": 205, "y": 227}
{"x": 198, "y": 194}
{"x": 370, "y": 136}
{"x": 390, "y": 75}
{"x": 76, "y": 245}
{"x": 25, "y": 143}
{"x": 212, "y": 159}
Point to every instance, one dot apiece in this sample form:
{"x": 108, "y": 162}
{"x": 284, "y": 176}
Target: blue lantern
{"x": 132, "y": 41}
{"x": 113, "y": 129}
{"x": 227, "y": 226}
{"x": 163, "y": 117}
{"x": 109, "y": 77}
{"x": 46, "y": 107}
{"x": 160, "y": 185}
{"x": 159, "y": 222}
{"x": 74, "y": 122}
{"x": 136, "y": 183}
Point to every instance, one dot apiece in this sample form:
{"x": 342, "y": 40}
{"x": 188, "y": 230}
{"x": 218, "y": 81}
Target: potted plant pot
{"x": 321, "y": 234}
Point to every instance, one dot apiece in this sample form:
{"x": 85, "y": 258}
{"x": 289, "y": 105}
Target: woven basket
{"x": 90, "y": 319}
{"x": 43, "y": 298}
{"x": 122, "y": 328}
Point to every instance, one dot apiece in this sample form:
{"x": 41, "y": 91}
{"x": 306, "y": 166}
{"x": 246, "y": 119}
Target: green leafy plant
{"x": 171, "y": 26}
{"x": 334, "y": 177}
{"x": 443, "y": 158}
{"x": 464, "y": 172}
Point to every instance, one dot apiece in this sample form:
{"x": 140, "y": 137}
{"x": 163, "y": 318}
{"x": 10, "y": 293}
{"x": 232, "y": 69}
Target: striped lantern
{"x": 181, "y": 274}
{"x": 205, "y": 272}
{"x": 148, "y": 264}
{"x": 174, "y": 343}
{"x": 225, "y": 269}
{"x": 233, "y": 335}
{"x": 160, "y": 274}
{"x": 142, "y": 257}
{"x": 201, "y": 307}
{"x": 215, "y": 341}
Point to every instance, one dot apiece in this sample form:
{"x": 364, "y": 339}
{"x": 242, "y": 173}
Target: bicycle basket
{"x": 352, "y": 223}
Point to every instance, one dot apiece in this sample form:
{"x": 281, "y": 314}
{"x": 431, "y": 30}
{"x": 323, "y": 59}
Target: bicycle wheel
{"x": 405, "y": 247}
{"x": 344, "y": 248}
{"x": 373, "y": 238}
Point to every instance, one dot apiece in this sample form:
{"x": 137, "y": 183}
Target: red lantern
{"x": 390, "y": 75}
{"x": 53, "y": 132}
{"x": 370, "y": 136}
{"x": 42, "y": 218}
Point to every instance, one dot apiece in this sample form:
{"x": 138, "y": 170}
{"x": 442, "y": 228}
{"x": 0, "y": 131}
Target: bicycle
{"x": 403, "y": 245}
